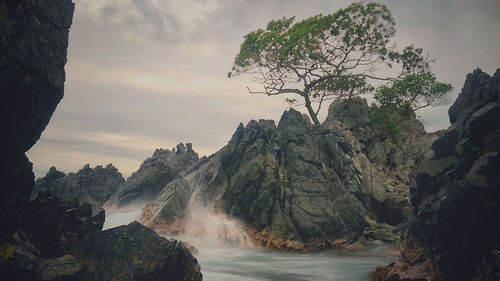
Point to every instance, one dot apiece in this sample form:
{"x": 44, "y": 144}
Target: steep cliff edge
{"x": 299, "y": 185}
{"x": 454, "y": 232}
{"x": 33, "y": 43}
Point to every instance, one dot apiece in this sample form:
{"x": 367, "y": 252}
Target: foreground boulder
{"x": 154, "y": 173}
{"x": 454, "y": 232}
{"x": 64, "y": 242}
{"x": 299, "y": 185}
{"x": 135, "y": 252}
{"x": 89, "y": 185}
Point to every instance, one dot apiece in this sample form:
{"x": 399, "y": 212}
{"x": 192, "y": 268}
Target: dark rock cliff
{"x": 33, "y": 43}
{"x": 48, "y": 238}
{"x": 89, "y": 185}
{"x": 454, "y": 233}
{"x": 299, "y": 185}
{"x": 154, "y": 173}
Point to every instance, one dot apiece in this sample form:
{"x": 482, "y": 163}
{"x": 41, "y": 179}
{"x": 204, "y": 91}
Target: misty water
{"x": 260, "y": 264}
{"x": 221, "y": 262}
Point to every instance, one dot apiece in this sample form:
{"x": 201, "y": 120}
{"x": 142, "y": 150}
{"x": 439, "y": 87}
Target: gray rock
{"x": 154, "y": 173}
{"x": 300, "y": 182}
{"x": 89, "y": 185}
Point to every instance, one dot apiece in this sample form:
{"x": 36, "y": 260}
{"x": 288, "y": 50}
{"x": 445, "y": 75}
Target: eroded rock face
{"x": 33, "y": 43}
{"x": 299, "y": 185}
{"x": 454, "y": 233}
{"x": 154, "y": 173}
{"x": 394, "y": 159}
{"x": 89, "y": 185}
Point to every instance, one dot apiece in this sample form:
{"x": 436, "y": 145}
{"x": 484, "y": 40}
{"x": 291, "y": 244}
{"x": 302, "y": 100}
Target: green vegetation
{"x": 326, "y": 57}
{"x": 387, "y": 118}
{"x": 413, "y": 92}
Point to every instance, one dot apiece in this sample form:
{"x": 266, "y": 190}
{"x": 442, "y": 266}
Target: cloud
{"x": 143, "y": 74}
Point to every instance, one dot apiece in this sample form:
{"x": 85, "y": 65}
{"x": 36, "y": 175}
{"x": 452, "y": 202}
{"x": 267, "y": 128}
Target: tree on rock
{"x": 413, "y": 92}
{"x": 325, "y": 57}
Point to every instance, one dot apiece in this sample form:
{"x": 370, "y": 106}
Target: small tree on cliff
{"x": 325, "y": 57}
{"x": 413, "y": 92}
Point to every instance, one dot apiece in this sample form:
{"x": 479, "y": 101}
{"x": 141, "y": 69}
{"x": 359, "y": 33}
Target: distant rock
{"x": 89, "y": 185}
{"x": 454, "y": 232}
{"x": 154, "y": 173}
{"x": 299, "y": 185}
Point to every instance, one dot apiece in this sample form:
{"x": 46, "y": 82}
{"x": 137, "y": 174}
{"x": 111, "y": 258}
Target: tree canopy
{"x": 413, "y": 92}
{"x": 327, "y": 56}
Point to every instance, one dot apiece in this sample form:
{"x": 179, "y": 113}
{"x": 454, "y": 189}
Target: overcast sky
{"x": 145, "y": 74}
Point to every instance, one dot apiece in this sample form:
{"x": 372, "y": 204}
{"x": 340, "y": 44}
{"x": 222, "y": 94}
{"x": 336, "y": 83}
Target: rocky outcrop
{"x": 64, "y": 242}
{"x": 33, "y": 43}
{"x": 154, "y": 173}
{"x": 89, "y": 185}
{"x": 395, "y": 157}
{"x": 141, "y": 253}
{"x": 454, "y": 232}
{"x": 299, "y": 185}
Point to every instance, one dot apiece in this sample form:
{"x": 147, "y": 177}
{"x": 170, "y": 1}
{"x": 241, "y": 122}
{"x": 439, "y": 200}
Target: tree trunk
{"x": 313, "y": 115}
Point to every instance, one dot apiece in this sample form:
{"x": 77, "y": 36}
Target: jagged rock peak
{"x": 293, "y": 117}
{"x": 297, "y": 182}
{"x": 180, "y": 149}
{"x": 88, "y": 185}
{"x": 479, "y": 89}
{"x": 53, "y": 174}
{"x": 351, "y": 113}
{"x": 153, "y": 174}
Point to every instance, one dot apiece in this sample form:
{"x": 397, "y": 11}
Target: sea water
{"x": 261, "y": 264}
{"x": 229, "y": 261}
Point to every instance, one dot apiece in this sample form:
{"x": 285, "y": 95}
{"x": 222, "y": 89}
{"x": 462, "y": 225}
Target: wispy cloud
{"x": 143, "y": 74}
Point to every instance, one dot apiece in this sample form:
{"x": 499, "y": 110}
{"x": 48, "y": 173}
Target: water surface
{"x": 221, "y": 264}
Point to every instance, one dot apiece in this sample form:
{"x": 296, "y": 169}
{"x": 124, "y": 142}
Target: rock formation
{"x": 454, "y": 232}
{"x": 141, "y": 255}
{"x": 154, "y": 173}
{"x": 89, "y": 185}
{"x": 33, "y": 43}
{"x": 65, "y": 242}
{"x": 299, "y": 185}
{"x": 53, "y": 238}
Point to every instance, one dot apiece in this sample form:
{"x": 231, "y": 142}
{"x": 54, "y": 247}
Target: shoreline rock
{"x": 268, "y": 177}
{"x": 453, "y": 232}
